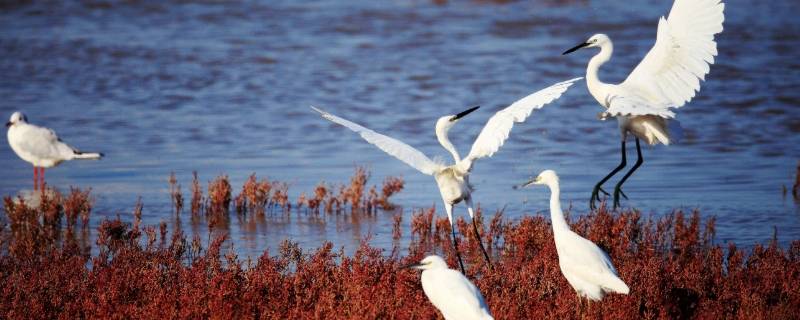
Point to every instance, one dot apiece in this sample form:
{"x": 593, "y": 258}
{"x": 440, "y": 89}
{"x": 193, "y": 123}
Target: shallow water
{"x": 226, "y": 88}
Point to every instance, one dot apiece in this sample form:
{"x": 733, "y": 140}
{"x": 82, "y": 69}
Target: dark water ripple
{"x": 225, "y": 88}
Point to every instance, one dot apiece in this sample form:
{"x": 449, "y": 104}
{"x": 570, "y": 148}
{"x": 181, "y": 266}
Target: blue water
{"x": 226, "y": 89}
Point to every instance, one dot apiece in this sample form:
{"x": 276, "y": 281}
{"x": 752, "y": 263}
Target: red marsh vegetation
{"x": 672, "y": 265}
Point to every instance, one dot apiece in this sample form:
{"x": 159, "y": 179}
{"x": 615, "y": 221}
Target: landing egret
{"x": 668, "y": 77}
{"x": 453, "y": 180}
{"x": 40, "y": 146}
{"x": 450, "y": 291}
{"x": 588, "y": 268}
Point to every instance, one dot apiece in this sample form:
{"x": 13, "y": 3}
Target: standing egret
{"x": 40, "y": 146}
{"x": 453, "y": 180}
{"x": 450, "y": 291}
{"x": 668, "y": 77}
{"x": 588, "y": 268}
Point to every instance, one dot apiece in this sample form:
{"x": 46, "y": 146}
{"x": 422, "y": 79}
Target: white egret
{"x": 40, "y": 146}
{"x": 453, "y": 180}
{"x": 668, "y": 77}
{"x": 588, "y": 268}
{"x": 450, "y": 291}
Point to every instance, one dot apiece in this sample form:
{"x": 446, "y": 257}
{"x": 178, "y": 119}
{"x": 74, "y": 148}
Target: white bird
{"x": 668, "y": 77}
{"x": 453, "y": 180}
{"x": 588, "y": 268}
{"x": 450, "y": 291}
{"x": 40, "y": 146}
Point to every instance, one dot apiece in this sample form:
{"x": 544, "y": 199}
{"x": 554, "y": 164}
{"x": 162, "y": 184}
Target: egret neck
{"x": 441, "y": 135}
{"x": 556, "y": 216}
{"x": 596, "y": 87}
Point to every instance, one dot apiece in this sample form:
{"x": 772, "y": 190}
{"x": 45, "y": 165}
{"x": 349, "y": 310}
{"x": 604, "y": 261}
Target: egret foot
{"x": 618, "y": 192}
{"x": 596, "y": 196}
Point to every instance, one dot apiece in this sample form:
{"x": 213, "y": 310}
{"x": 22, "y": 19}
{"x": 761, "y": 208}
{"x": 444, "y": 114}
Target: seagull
{"x": 588, "y": 268}
{"x": 453, "y": 180}
{"x": 40, "y": 146}
{"x": 667, "y": 78}
{"x": 450, "y": 291}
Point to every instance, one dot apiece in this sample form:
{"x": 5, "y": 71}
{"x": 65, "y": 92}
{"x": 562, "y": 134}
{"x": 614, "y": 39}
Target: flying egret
{"x": 450, "y": 291}
{"x": 40, "y": 146}
{"x": 668, "y": 77}
{"x": 453, "y": 180}
{"x": 588, "y": 268}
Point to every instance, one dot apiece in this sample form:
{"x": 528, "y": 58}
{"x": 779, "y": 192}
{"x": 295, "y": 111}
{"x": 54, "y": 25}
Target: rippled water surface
{"x": 226, "y": 88}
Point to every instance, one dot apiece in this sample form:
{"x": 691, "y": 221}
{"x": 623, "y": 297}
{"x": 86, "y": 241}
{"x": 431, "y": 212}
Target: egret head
{"x": 445, "y": 123}
{"x": 16, "y": 117}
{"x": 547, "y": 177}
{"x": 596, "y": 40}
{"x": 430, "y": 262}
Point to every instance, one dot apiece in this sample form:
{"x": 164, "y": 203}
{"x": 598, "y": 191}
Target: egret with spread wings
{"x": 667, "y": 78}
{"x": 453, "y": 180}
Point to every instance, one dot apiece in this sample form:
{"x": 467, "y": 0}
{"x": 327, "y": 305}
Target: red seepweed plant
{"x": 672, "y": 265}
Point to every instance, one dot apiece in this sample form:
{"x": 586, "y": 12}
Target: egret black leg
{"x": 471, "y": 210}
{"x": 480, "y": 242}
{"x": 455, "y": 246}
{"x": 618, "y": 188}
{"x": 599, "y": 186}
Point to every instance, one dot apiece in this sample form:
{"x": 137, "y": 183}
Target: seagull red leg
{"x": 35, "y": 178}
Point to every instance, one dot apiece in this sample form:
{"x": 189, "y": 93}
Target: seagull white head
{"x": 445, "y": 123}
{"x": 16, "y": 117}
{"x": 430, "y": 262}
{"x": 596, "y": 40}
{"x": 547, "y": 177}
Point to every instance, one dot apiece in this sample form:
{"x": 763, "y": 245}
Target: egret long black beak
{"x": 8, "y": 124}
{"x": 464, "y": 113}
{"x": 411, "y": 266}
{"x": 575, "y": 48}
{"x": 530, "y": 182}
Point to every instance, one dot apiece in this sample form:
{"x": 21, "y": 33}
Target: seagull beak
{"x": 464, "y": 113}
{"x": 575, "y": 48}
{"x": 8, "y": 124}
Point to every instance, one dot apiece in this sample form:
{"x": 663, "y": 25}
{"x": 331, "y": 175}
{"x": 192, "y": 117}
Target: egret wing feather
{"x": 634, "y": 105}
{"x": 394, "y": 147}
{"x": 587, "y": 261}
{"x": 670, "y": 73}
{"x": 454, "y": 295}
{"x": 498, "y": 128}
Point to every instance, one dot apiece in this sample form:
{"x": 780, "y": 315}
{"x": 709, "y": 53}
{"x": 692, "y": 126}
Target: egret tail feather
{"x": 617, "y": 285}
{"x": 675, "y": 131}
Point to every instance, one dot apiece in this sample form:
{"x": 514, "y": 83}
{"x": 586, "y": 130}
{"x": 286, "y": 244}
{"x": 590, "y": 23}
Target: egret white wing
{"x": 634, "y": 105}
{"x": 587, "y": 261}
{"x": 454, "y": 295}
{"x": 497, "y": 129}
{"x": 670, "y": 73}
{"x": 394, "y": 147}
